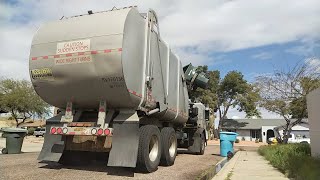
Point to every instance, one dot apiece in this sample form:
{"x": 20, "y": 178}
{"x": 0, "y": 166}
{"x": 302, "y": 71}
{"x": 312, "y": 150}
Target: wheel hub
{"x": 173, "y": 146}
{"x": 153, "y": 148}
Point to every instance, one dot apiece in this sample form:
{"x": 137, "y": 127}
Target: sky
{"x": 253, "y": 37}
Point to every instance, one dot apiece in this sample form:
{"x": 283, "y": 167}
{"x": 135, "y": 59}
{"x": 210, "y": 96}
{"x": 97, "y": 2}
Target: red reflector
{"x": 53, "y": 130}
{"x": 59, "y": 131}
{"x": 100, "y": 132}
{"x": 106, "y": 131}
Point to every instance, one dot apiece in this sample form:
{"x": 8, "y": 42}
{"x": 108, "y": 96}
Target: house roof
{"x": 38, "y": 123}
{"x": 252, "y": 123}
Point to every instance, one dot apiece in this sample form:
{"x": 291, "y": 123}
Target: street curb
{"x": 213, "y": 170}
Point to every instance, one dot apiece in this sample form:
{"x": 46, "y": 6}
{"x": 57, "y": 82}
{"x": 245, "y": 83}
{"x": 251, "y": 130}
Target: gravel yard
{"x": 26, "y": 166}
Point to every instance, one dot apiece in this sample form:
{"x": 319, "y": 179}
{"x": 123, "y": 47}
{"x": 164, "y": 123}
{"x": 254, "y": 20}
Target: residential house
{"x": 261, "y": 129}
{"x": 33, "y": 124}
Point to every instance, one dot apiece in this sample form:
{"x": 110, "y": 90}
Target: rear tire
{"x": 202, "y": 145}
{"x": 169, "y": 146}
{"x": 149, "y": 152}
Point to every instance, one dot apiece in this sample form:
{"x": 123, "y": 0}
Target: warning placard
{"x": 73, "y": 60}
{"x": 44, "y": 74}
{"x": 73, "y": 46}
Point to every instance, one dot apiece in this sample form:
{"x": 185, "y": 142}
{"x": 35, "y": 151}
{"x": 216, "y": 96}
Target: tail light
{"x": 65, "y": 130}
{"x": 106, "y": 131}
{"x": 53, "y": 130}
{"x": 94, "y": 131}
{"x": 59, "y": 131}
{"x": 100, "y": 132}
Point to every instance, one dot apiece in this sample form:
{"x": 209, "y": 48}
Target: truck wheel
{"x": 4, "y": 151}
{"x": 169, "y": 146}
{"x": 149, "y": 152}
{"x": 202, "y": 145}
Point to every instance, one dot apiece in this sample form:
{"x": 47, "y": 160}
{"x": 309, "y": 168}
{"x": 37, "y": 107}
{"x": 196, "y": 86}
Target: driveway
{"x": 25, "y": 166}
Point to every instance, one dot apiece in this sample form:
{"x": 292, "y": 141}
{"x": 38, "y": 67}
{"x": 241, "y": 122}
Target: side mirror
{"x": 207, "y": 115}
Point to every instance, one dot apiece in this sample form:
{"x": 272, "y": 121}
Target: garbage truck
{"x": 122, "y": 93}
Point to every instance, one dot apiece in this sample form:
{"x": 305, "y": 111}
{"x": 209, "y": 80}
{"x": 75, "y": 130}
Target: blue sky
{"x": 253, "y": 37}
{"x": 261, "y": 60}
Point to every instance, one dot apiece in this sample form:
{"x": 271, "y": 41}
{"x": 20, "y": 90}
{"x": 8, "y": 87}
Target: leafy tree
{"x": 285, "y": 93}
{"x": 207, "y": 96}
{"x": 234, "y": 91}
{"x": 19, "y": 98}
{"x": 231, "y": 91}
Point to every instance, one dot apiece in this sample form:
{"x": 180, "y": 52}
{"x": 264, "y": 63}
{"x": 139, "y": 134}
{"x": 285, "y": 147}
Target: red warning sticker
{"x": 73, "y": 46}
{"x": 73, "y": 60}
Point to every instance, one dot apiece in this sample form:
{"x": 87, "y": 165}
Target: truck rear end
{"x": 120, "y": 90}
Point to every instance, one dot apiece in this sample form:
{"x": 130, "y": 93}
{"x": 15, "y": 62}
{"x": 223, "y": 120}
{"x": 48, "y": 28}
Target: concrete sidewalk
{"x": 248, "y": 165}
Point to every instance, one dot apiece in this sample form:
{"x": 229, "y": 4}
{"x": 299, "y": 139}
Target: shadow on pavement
{"x": 92, "y": 166}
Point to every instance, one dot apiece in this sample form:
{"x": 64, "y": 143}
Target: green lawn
{"x": 294, "y": 160}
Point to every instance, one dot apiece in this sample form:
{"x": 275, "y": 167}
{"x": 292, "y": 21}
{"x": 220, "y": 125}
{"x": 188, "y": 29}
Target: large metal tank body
{"x": 102, "y": 56}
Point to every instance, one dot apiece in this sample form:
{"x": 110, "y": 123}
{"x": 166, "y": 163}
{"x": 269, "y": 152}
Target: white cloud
{"x": 206, "y": 26}
{"x": 262, "y": 55}
{"x": 309, "y": 47}
{"x": 314, "y": 64}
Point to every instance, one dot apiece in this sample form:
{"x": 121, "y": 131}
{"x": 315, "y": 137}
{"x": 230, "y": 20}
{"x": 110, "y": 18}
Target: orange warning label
{"x": 73, "y": 46}
{"x": 73, "y": 60}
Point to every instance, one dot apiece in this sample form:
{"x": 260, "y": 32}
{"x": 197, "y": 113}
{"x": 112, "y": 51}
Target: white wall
{"x": 5, "y": 115}
{"x": 244, "y": 133}
{"x": 264, "y": 130}
{"x": 313, "y": 102}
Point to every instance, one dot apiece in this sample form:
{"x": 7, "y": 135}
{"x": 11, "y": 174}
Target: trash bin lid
{"x": 229, "y": 133}
{"x": 14, "y": 130}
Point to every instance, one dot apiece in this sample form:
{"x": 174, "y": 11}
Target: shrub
{"x": 30, "y": 131}
{"x": 294, "y": 160}
{"x": 237, "y": 141}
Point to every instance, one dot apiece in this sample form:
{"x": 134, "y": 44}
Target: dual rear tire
{"x": 169, "y": 146}
{"x": 156, "y": 147}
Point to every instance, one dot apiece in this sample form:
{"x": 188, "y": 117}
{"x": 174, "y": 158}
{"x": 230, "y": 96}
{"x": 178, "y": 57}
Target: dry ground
{"x": 25, "y": 166}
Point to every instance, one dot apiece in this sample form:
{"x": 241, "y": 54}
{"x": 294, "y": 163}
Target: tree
{"x": 231, "y": 91}
{"x": 285, "y": 93}
{"x": 234, "y": 91}
{"x": 19, "y": 98}
{"x": 207, "y": 96}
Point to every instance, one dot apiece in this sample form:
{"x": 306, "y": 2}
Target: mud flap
{"x": 125, "y": 140}
{"x": 195, "y": 147}
{"x": 53, "y": 145}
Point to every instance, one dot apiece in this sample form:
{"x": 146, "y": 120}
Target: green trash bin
{"x": 14, "y": 139}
